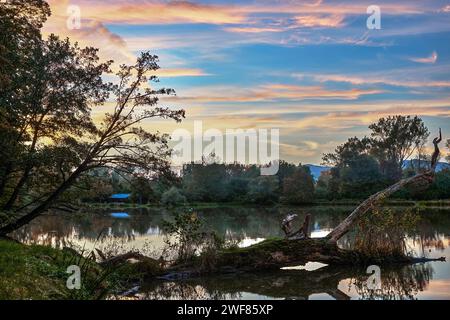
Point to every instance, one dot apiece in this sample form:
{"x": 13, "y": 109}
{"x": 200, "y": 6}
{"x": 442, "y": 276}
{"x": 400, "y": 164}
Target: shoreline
{"x": 445, "y": 203}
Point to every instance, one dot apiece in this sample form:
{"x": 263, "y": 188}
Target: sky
{"x": 312, "y": 69}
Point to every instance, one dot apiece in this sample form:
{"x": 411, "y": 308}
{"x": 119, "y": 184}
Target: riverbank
{"x": 35, "y": 272}
{"x": 212, "y": 205}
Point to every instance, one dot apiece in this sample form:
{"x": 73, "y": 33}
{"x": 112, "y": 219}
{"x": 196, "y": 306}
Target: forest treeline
{"x": 358, "y": 168}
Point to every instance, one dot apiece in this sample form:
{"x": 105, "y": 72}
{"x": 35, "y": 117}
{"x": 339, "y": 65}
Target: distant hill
{"x": 440, "y": 166}
{"x": 316, "y": 170}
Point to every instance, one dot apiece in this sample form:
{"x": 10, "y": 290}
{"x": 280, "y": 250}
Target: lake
{"x": 123, "y": 229}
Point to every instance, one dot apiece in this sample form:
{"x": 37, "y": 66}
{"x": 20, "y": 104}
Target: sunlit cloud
{"x": 430, "y": 59}
{"x": 252, "y": 29}
{"x": 320, "y": 21}
{"x": 159, "y": 12}
{"x": 446, "y": 8}
{"x": 365, "y": 80}
{"x": 172, "y": 73}
{"x": 271, "y": 92}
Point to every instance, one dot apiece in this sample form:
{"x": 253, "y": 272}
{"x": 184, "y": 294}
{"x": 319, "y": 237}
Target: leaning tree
{"x": 46, "y": 116}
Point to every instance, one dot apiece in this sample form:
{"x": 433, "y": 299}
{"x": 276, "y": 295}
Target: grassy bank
{"x": 39, "y": 273}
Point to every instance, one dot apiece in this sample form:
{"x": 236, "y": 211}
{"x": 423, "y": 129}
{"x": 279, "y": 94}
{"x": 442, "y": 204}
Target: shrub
{"x": 173, "y": 197}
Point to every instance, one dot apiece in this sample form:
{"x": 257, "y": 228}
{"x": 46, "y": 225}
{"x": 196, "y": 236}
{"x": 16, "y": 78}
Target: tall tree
{"x": 395, "y": 139}
{"x": 66, "y": 84}
{"x": 20, "y": 36}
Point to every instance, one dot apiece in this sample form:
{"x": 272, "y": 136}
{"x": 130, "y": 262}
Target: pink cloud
{"x": 430, "y": 59}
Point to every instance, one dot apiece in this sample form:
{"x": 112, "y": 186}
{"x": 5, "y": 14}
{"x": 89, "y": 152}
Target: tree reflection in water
{"x": 399, "y": 283}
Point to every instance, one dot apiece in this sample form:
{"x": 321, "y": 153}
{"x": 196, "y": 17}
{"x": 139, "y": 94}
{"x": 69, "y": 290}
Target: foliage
{"x": 263, "y": 190}
{"x": 205, "y": 181}
{"x": 363, "y": 166}
{"x": 142, "y": 190}
{"x": 394, "y": 139}
{"x": 383, "y": 232}
{"x": 39, "y": 272}
{"x": 298, "y": 188}
{"x": 184, "y": 235}
{"x": 173, "y": 197}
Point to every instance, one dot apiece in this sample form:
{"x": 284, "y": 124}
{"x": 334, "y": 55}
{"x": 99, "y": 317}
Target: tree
{"x": 395, "y": 139}
{"x": 361, "y": 178}
{"x": 66, "y": 85}
{"x": 346, "y": 153}
{"x": 142, "y": 190}
{"x": 355, "y": 172}
{"x": 20, "y": 22}
{"x": 263, "y": 190}
{"x": 298, "y": 188}
{"x": 206, "y": 181}
{"x": 364, "y": 165}
{"x": 173, "y": 197}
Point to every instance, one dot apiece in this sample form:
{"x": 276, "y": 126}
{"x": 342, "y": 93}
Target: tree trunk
{"x": 44, "y": 206}
{"x": 364, "y": 207}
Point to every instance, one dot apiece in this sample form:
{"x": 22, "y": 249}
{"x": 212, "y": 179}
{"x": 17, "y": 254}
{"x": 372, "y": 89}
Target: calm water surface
{"x": 141, "y": 229}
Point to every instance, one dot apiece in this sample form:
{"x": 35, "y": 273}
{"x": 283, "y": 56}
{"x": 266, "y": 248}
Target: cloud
{"x": 431, "y": 59}
{"x": 368, "y": 80}
{"x": 310, "y": 21}
{"x": 179, "y": 72}
{"x": 157, "y": 12}
{"x": 270, "y": 92}
{"x": 446, "y": 8}
{"x": 252, "y": 29}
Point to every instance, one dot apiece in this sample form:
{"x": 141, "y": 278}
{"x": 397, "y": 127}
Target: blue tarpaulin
{"x": 120, "y": 196}
{"x": 120, "y": 215}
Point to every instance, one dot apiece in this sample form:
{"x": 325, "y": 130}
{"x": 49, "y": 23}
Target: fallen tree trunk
{"x": 274, "y": 254}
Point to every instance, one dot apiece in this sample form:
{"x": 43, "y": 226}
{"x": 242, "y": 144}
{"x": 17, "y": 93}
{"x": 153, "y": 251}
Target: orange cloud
{"x": 310, "y": 21}
{"x": 173, "y": 72}
{"x": 252, "y": 30}
{"x": 431, "y": 59}
{"x": 157, "y": 12}
{"x": 271, "y": 92}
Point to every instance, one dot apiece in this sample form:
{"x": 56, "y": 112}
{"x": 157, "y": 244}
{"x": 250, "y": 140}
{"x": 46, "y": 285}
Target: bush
{"x": 383, "y": 233}
{"x": 173, "y": 197}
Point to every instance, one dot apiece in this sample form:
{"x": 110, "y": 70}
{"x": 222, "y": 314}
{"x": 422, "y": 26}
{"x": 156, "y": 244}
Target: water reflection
{"x": 246, "y": 226}
{"x": 326, "y": 282}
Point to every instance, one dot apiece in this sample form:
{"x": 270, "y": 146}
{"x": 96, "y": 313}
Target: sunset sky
{"x": 310, "y": 68}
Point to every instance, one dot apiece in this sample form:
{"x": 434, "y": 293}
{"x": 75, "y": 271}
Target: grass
{"x": 31, "y": 272}
{"x": 39, "y": 273}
